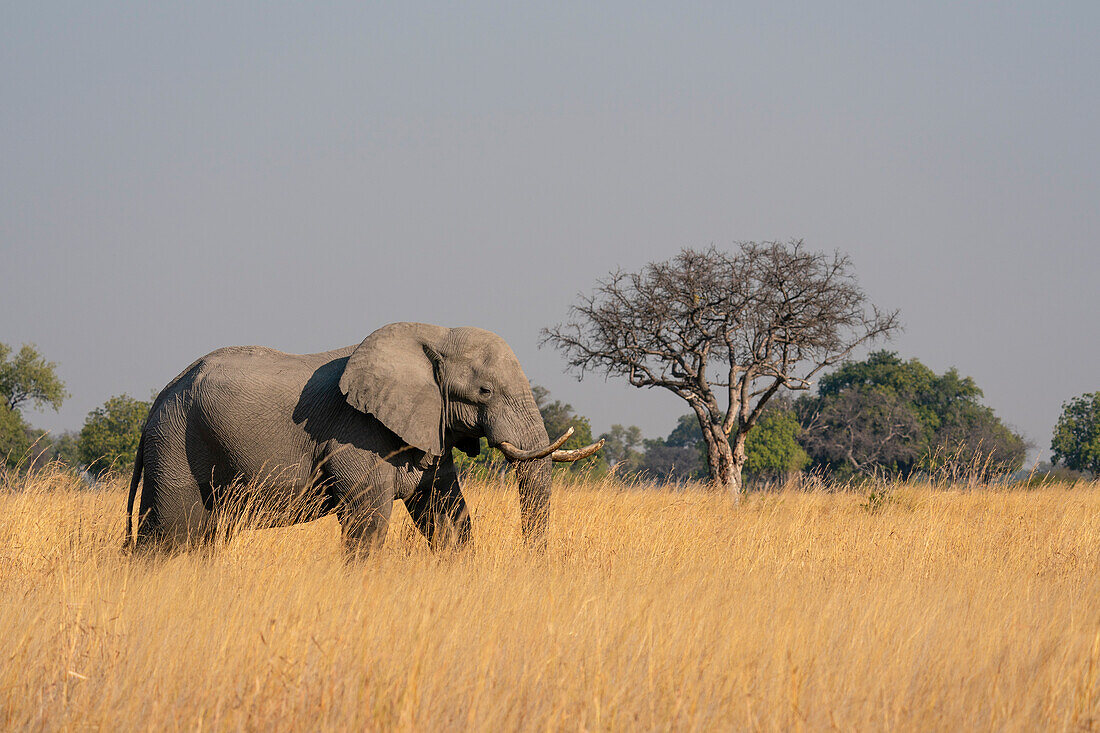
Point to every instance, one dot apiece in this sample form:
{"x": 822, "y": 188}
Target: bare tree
{"x": 765, "y": 316}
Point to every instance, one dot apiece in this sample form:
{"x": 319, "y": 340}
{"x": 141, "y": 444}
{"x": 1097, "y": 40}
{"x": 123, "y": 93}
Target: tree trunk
{"x": 737, "y": 456}
{"x": 722, "y": 461}
{"x": 725, "y": 469}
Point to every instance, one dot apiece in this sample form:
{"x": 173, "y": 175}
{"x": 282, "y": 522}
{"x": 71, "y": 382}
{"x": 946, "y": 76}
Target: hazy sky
{"x": 176, "y": 177}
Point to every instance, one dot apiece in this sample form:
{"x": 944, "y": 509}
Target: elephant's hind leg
{"x": 174, "y": 518}
{"x": 175, "y": 512}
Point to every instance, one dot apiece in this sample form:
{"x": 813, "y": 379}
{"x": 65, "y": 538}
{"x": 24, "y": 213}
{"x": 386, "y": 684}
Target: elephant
{"x": 348, "y": 432}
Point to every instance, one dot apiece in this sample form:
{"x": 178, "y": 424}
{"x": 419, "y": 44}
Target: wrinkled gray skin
{"x": 345, "y": 431}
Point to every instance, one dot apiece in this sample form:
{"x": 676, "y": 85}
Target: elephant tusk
{"x": 513, "y": 453}
{"x": 568, "y": 456}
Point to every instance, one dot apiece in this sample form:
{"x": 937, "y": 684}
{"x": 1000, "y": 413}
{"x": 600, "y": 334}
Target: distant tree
{"x": 910, "y": 379}
{"x": 885, "y": 415}
{"x": 765, "y": 317}
{"x": 662, "y": 462}
{"x": 40, "y": 451}
{"x": 972, "y": 441}
{"x": 110, "y": 436}
{"x": 622, "y": 448}
{"x": 49, "y": 447}
{"x": 772, "y": 450}
{"x": 678, "y": 457}
{"x": 1047, "y": 474}
{"x": 862, "y": 430}
{"x": 1076, "y": 442}
{"x": 28, "y": 377}
{"x": 687, "y": 434}
{"x": 25, "y": 378}
{"x": 65, "y": 447}
{"x": 558, "y": 417}
{"x": 14, "y": 437}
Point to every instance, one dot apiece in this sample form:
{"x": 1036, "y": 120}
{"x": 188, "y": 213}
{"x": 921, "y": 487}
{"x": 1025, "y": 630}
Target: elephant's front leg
{"x": 438, "y": 508}
{"x": 364, "y": 501}
{"x": 364, "y": 516}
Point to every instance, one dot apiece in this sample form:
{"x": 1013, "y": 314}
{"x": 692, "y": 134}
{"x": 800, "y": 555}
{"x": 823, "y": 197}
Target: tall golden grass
{"x": 940, "y": 609}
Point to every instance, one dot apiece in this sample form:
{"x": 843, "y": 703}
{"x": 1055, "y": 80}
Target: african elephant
{"x": 346, "y": 431}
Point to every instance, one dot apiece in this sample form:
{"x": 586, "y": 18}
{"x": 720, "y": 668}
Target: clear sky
{"x": 176, "y": 177}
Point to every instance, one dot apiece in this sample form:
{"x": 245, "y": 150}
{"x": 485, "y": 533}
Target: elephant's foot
{"x": 361, "y": 547}
{"x": 449, "y": 533}
{"x": 165, "y": 541}
{"x": 364, "y": 524}
{"x": 364, "y": 535}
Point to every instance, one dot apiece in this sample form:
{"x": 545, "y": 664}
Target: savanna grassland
{"x": 942, "y": 609}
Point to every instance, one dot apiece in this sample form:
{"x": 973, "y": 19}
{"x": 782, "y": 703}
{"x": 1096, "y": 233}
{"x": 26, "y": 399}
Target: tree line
{"x": 108, "y": 440}
{"x": 882, "y": 416}
{"x": 757, "y": 340}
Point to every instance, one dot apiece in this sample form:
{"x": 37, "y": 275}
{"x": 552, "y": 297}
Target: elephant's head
{"x": 439, "y": 388}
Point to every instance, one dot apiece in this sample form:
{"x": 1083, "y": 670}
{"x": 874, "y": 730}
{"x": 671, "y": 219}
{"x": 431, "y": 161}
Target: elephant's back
{"x": 260, "y": 357}
{"x": 254, "y": 382}
{"x": 262, "y": 365}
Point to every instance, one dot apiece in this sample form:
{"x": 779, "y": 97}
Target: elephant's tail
{"x": 128, "y": 541}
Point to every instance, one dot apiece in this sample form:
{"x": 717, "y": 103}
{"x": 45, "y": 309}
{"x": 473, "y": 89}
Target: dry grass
{"x": 652, "y": 609}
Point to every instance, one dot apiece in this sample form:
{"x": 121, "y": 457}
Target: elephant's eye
{"x": 485, "y": 391}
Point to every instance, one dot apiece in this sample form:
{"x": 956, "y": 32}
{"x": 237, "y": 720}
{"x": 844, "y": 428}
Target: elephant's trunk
{"x": 534, "y": 500}
{"x": 531, "y": 456}
{"x": 523, "y": 440}
{"x": 534, "y": 478}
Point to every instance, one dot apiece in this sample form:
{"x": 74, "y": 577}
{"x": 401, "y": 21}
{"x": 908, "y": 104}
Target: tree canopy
{"x": 622, "y": 448}
{"x": 558, "y": 417}
{"x": 26, "y": 378}
{"x": 1076, "y": 442}
{"x": 886, "y": 415}
{"x": 772, "y": 449}
{"x": 14, "y": 437}
{"x": 111, "y": 433}
{"x": 723, "y": 330}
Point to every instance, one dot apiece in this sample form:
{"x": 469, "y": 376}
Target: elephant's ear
{"x": 392, "y": 376}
